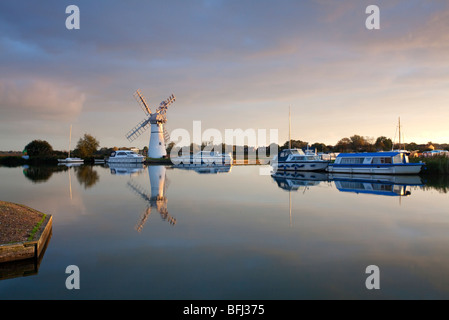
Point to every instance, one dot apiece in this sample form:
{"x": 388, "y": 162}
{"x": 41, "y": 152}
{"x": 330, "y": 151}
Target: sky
{"x": 232, "y": 64}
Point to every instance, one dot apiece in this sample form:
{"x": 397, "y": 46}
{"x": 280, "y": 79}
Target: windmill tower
{"x": 159, "y": 134}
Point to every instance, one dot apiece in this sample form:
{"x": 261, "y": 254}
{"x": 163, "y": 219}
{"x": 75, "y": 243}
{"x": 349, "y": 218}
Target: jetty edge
{"x": 35, "y": 244}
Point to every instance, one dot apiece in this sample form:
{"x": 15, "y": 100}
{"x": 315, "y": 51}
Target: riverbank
{"x": 18, "y": 223}
{"x": 435, "y": 165}
{"x": 23, "y": 231}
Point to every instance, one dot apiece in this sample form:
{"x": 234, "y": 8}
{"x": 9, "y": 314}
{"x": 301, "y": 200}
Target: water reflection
{"x": 156, "y": 198}
{"x": 234, "y": 229}
{"x": 376, "y": 184}
{"x": 292, "y": 181}
{"x": 40, "y": 174}
{"x": 384, "y": 185}
{"x": 125, "y": 168}
{"x": 87, "y": 176}
{"x": 204, "y": 169}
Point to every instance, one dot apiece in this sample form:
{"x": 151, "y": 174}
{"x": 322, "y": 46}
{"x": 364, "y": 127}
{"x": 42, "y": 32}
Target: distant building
{"x": 435, "y": 153}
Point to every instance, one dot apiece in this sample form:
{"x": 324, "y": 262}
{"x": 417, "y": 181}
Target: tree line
{"x": 88, "y": 147}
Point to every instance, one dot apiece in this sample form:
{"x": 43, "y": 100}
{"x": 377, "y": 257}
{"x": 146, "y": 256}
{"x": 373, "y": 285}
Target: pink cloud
{"x": 39, "y": 99}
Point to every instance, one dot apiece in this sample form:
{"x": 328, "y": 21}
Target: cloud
{"x": 39, "y": 99}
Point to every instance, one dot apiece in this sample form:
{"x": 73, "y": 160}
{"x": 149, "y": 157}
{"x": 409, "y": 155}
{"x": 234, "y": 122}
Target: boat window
{"x": 397, "y": 158}
{"x": 294, "y": 151}
{"x": 378, "y": 160}
{"x": 121, "y": 154}
{"x": 351, "y": 160}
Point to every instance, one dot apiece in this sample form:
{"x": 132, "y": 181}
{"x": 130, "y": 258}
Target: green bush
{"x": 435, "y": 164}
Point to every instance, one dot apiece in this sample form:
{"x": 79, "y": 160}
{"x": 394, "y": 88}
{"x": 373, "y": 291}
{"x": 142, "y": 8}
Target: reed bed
{"x": 434, "y": 165}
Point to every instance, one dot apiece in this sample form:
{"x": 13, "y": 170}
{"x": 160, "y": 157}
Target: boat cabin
{"x": 372, "y": 158}
{"x": 122, "y": 153}
{"x": 283, "y": 155}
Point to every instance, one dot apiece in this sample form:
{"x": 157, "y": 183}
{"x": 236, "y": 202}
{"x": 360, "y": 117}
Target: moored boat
{"x": 71, "y": 160}
{"x": 205, "y": 157}
{"x": 392, "y": 162}
{"x": 125, "y": 156}
{"x": 297, "y": 160}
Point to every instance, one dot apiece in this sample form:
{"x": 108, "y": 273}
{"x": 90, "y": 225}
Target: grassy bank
{"x": 436, "y": 165}
{"x": 157, "y": 161}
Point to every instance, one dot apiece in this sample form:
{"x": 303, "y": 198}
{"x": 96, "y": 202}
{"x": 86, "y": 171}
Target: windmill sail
{"x": 142, "y": 102}
{"x": 166, "y": 136}
{"x": 140, "y": 128}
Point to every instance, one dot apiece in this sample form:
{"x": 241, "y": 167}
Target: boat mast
{"x": 399, "y": 133}
{"x": 289, "y": 128}
{"x": 70, "y": 139}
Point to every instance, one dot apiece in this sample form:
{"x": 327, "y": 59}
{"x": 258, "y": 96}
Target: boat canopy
{"x": 369, "y": 154}
{"x": 286, "y": 152}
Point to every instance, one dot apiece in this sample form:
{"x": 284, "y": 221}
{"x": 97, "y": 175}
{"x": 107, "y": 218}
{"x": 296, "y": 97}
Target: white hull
{"x": 300, "y": 166}
{"x": 132, "y": 161}
{"x": 204, "y": 157}
{"x": 125, "y": 157}
{"x": 70, "y": 160}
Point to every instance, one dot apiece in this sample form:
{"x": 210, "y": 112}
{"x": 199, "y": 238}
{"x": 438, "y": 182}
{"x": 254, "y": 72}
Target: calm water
{"x": 170, "y": 233}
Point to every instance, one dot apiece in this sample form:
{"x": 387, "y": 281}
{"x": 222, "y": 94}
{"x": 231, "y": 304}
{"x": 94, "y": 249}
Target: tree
{"x": 86, "y": 146}
{"x": 296, "y": 144}
{"x": 145, "y": 150}
{"x": 412, "y": 146}
{"x": 168, "y": 148}
{"x": 383, "y": 143}
{"x": 343, "y": 145}
{"x": 320, "y": 147}
{"x": 39, "y": 148}
{"x": 357, "y": 143}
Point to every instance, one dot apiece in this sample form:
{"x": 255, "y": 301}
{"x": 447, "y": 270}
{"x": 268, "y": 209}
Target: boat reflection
{"x": 125, "y": 168}
{"x": 156, "y": 198}
{"x": 384, "y": 185}
{"x": 293, "y": 180}
{"x": 205, "y": 168}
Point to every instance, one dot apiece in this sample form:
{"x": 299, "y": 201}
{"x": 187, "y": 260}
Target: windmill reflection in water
{"x": 156, "y": 198}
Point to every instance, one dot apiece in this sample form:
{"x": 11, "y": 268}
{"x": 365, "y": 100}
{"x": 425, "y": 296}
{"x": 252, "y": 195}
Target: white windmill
{"x": 159, "y": 134}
